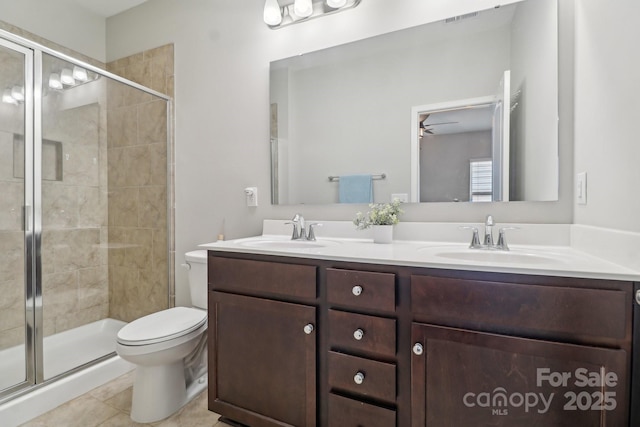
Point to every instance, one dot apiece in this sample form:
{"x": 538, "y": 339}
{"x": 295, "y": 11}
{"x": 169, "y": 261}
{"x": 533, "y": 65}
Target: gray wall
{"x": 222, "y": 108}
{"x": 60, "y": 21}
{"x": 373, "y": 137}
{"x": 607, "y": 112}
{"x": 222, "y": 120}
{"x": 440, "y": 184}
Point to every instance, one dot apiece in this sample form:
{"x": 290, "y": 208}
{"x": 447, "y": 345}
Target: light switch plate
{"x": 581, "y": 188}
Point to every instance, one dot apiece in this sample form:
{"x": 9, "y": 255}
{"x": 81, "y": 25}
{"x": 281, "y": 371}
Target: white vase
{"x": 382, "y": 233}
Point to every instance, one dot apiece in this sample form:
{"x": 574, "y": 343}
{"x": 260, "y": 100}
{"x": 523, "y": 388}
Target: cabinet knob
{"x": 417, "y": 349}
{"x": 357, "y": 290}
{"x": 358, "y": 378}
{"x": 308, "y": 329}
{"x": 358, "y": 334}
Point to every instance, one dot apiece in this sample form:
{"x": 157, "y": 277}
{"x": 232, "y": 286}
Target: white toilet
{"x": 169, "y": 350}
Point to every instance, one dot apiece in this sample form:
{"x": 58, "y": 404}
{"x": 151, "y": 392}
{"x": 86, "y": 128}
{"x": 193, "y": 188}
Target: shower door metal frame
{"x": 34, "y": 333}
{"x": 28, "y": 219}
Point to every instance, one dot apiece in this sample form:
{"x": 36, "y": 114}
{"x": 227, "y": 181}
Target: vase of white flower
{"x": 382, "y": 217}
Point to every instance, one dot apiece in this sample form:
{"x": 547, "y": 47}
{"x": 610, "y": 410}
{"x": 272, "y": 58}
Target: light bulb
{"x": 80, "y": 74}
{"x": 272, "y": 13}
{"x": 17, "y": 92}
{"x": 66, "y": 77}
{"x": 303, "y": 8}
{"x": 336, "y": 4}
{"x": 7, "y": 98}
{"x": 54, "y": 81}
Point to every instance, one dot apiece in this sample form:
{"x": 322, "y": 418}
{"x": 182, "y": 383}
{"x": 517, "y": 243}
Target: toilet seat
{"x": 162, "y": 326}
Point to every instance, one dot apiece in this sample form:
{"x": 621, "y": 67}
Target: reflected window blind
{"x": 481, "y": 184}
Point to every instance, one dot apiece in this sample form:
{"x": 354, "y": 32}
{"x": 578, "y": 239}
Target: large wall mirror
{"x": 459, "y": 110}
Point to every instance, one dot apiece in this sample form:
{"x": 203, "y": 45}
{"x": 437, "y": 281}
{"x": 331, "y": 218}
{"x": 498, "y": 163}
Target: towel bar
{"x": 334, "y": 178}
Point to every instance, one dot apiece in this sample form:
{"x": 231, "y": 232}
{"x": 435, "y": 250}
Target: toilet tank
{"x": 197, "y": 262}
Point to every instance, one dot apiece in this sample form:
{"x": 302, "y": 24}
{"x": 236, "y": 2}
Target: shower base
{"x": 62, "y": 352}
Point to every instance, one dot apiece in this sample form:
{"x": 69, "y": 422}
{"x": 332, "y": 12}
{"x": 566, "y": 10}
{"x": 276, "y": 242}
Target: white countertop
{"x": 538, "y": 259}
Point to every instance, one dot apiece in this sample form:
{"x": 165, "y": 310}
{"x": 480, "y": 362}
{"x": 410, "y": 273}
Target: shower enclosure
{"x": 83, "y": 211}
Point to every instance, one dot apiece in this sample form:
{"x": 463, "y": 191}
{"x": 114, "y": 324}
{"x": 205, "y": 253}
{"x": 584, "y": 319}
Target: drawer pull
{"x": 417, "y": 349}
{"x": 358, "y": 334}
{"x": 358, "y": 378}
{"x": 356, "y": 290}
{"x": 308, "y": 329}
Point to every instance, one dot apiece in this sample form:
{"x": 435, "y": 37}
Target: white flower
{"x": 380, "y": 214}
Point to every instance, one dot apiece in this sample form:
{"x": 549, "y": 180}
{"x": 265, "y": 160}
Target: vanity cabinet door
{"x": 262, "y": 361}
{"x": 467, "y": 378}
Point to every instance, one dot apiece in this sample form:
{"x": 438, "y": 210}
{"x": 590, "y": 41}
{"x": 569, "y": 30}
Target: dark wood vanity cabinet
{"x": 361, "y": 356}
{"x": 510, "y": 354}
{"x": 262, "y": 351}
{"x": 303, "y": 342}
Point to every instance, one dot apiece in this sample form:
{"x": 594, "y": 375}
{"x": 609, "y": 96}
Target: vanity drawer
{"x": 362, "y": 333}
{"x": 344, "y": 412}
{"x": 545, "y": 311}
{"x": 261, "y": 278}
{"x": 378, "y": 378}
{"x": 361, "y": 289}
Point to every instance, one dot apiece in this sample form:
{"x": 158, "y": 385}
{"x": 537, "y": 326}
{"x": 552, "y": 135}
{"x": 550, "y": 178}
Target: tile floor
{"x": 109, "y": 406}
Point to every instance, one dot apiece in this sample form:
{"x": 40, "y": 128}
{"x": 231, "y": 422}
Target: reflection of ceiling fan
{"x": 428, "y": 127}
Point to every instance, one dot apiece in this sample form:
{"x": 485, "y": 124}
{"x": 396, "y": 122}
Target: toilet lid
{"x": 162, "y": 326}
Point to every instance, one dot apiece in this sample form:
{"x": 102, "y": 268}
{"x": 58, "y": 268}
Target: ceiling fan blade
{"x": 441, "y": 123}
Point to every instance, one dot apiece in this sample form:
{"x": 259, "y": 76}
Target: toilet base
{"x": 159, "y": 391}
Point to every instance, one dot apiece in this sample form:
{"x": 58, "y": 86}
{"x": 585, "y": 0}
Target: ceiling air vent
{"x": 460, "y": 17}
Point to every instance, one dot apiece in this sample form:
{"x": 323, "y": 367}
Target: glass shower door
{"x": 16, "y": 296}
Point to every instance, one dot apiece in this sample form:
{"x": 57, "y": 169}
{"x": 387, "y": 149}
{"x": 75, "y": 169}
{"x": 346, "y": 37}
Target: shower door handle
{"x": 26, "y": 218}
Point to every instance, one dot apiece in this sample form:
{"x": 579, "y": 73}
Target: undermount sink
{"x": 516, "y": 256}
{"x": 283, "y": 244}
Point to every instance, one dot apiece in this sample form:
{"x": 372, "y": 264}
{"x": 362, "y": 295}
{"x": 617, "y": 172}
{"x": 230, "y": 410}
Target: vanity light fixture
{"x": 54, "y": 81}
{"x": 280, "y": 13}
{"x": 80, "y": 74}
{"x": 336, "y": 4}
{"x": 303, "y": 8}
{"x": 13, "y": 95}
{"x": 17, "y": 92}
{"x": 272, "y": 13}
{"x": 69, "y": 78}
{"x": 66, "y": 77}
{"x": 7, "y": 98}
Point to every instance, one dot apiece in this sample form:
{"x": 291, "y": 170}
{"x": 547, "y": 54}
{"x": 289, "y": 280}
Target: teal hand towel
{"x": 356, "y": 189}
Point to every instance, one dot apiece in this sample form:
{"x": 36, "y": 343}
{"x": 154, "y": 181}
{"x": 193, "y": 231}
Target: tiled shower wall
{"x": 138, "y": 217}
{"x": 74, "y": 212}
{"x": 11, "y": 236}
{"x": 74, "y": 262}
{"x": 104, "y": 251}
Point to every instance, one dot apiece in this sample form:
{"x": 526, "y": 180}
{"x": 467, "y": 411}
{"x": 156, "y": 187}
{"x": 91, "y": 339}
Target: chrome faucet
{"x": 488, "y": 231}
{"x": 487, "y": 242}
{"x": 299, "y": 229}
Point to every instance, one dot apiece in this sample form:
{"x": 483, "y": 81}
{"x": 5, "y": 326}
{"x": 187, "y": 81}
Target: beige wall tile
{"x": 122, "y": 126}
{"x": 137, "y": 176}
{"x": 11, "y": 256}
{"x": 123, "y": 207}
{"x": 11, "y": 204}
{"x": 152, "y": 122}
{"x": 92, "y": 207}
{"x": 153, "y": 207}
{"x": 59, "y": 205}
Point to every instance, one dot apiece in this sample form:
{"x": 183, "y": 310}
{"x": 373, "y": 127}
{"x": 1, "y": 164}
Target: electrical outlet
{"x": 581, "y": 188}
{"x": 252, "y": 196}
{"x": 403, "y": 197}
